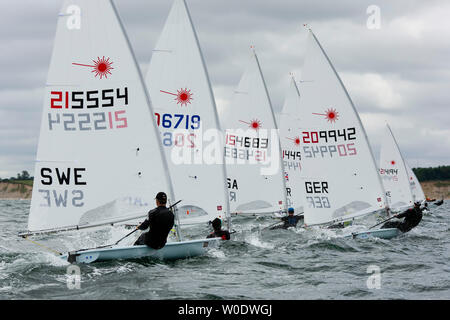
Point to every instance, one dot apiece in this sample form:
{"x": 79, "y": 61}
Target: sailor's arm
{"x": 144, "y": 225}
{"x": 404, "y": 214}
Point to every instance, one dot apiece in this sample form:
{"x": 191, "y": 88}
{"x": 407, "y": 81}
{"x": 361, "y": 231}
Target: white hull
{"x": 171, "y": 251}
{"x": 387, "y": 233}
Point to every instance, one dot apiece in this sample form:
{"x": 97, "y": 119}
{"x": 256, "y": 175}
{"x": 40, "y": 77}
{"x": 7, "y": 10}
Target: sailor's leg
{"x": 391, "y": 224}
{"x": 141, "y": 240}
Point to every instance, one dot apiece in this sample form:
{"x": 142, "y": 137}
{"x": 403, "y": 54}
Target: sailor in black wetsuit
{"x": 412, "y": 218}
{"x": 218, "y": 232}
{"x": 289, "y": 221}
{"x": 160, "y": 220}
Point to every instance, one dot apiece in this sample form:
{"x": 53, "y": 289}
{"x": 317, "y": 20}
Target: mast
{"x": 291, "y": 151}
{"x": 216, "y": 117}
{"x": 276, "y": 128}
{"x": 149, "y": 103}
{"x": 186, "y": 113}
{"x": 147, "y": 97}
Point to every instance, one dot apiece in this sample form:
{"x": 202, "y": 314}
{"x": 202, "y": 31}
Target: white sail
{"x": 394, "y": 174}
{"x": 99, "y": 155}
{"x": 252, "y": 150}
{"x": 186, "y": 116}
{"x": 340, "y": 177}
{"x": 416, "y": 188}
{"x": 288, "y": 124}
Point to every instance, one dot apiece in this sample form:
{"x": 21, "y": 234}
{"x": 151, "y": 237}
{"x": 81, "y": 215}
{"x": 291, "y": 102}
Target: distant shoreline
{"x": 436, "y": 189}
{"x": 16, "y": 190}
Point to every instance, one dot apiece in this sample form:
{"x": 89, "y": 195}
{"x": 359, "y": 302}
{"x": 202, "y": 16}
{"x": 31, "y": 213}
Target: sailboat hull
{"x": 171, "y": 251}
{"x": 387, "y": 233}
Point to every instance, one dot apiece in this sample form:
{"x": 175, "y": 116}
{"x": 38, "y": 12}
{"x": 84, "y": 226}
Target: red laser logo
{"x": 183, "y": 96}
{"x": 331, "y": 115}
{"x": 102, "y": 67}
{"x": 296, "y": 140}
{"x": 393, "y": 162}
{"x": 254, "y": 124}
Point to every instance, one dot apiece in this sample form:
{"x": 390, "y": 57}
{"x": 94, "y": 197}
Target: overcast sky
{"x": 399, "y": 73}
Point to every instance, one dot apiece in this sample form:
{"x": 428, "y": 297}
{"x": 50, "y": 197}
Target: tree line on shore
{"x": 432, "y": 174}
{"x": 24, "y": 175}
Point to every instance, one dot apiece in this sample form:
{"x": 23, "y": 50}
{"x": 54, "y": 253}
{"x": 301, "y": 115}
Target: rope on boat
{"x": 41, "y": 245}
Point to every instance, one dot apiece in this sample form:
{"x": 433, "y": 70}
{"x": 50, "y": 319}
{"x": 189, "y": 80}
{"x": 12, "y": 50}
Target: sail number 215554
{"x": 87, "y": 101}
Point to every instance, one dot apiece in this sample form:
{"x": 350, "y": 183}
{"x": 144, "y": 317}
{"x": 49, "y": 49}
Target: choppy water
{"x": 278, "y": 264}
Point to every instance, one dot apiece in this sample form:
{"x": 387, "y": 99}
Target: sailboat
{"x": 394, "y": 174}
{"x": 288, "y": 123}
{"x": 339, "y": 175}
{"x": 252, "y": 150}
{"x": 416, "y": 188}
{"x": 99, "y": 159}
{"x": 417, "y": 191}
{"x": 186, "y": 116}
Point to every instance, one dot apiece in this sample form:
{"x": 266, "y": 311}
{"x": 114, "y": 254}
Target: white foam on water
{"x": 3, "y": 268}
{"x": 124, "y": 269}
{"x": 298, "y": 230}
{"x": 254, "y": 240}
{"x": 53, "y": 260}
{"x": 216, "y": 253}
{"x": 6, "y": 289}
{"x": 318, "y": 233}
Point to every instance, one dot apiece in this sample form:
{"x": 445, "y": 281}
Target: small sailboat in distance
{"x": 394, "y": 174}
{"x": 416, "y": 188}
{"x": 339, "y": 174}
{"x": 99, "y": 158}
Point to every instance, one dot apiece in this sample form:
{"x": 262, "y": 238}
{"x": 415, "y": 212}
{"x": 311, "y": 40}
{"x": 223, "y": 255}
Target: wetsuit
{"x": 224, "y": 234}
{"x": 412, "y": 218}
{"x": 160, "y": 220}
{"x": 289, "y": 221}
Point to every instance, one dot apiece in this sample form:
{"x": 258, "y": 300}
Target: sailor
{"x": 160, "y": 220}
{"x": 291, "y": 220}
{"x": 412, "y": 218}
{"x": 218, "y": 232}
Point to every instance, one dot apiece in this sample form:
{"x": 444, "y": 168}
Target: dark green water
{"x": 277, "y": 265}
